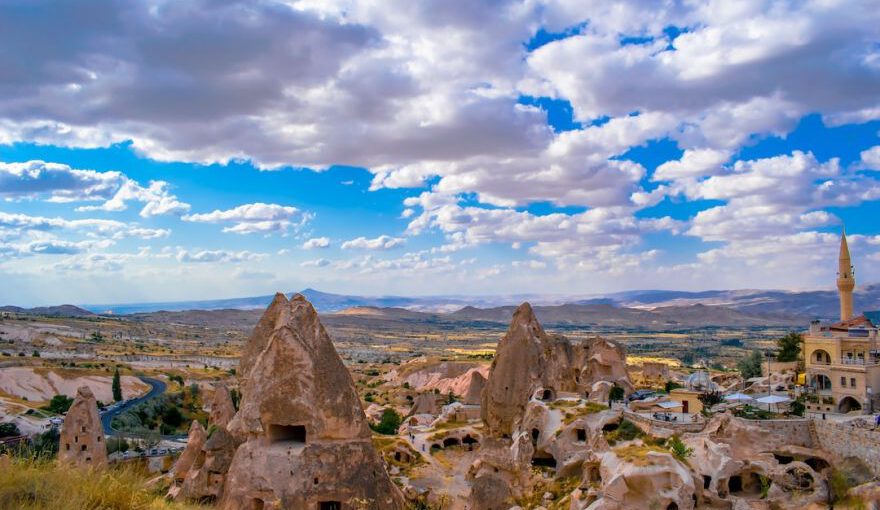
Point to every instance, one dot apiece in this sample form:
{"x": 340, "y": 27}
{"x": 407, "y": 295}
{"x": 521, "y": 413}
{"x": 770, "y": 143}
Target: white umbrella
{"x": 738, "y": 397}
{"x": 773, "y": 399}
{"x": 669, "y": 404}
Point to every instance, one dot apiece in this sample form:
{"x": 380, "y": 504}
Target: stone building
{"x": 82, "y": 435}
{"x": 842, "y": 360}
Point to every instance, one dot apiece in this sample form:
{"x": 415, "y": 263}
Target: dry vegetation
{"x": 35, "y": 484}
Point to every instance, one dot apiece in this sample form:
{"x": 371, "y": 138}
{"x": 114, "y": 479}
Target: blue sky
{"x": 551, "y": 147}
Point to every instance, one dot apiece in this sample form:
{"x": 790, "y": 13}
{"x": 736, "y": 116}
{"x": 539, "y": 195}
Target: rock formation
{"x": 82, "y": 435}
{"x": 426, "y": 403}
{"x": 194, "y": 444}
{"x": 200, "y": 472}
{"x": 474, "y": 394}
{"x": 306, "y": 439}
{"x": 529, "y": 364}
{"x": 531, "y": 371}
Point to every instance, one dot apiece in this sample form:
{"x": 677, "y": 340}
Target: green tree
{"x": 59, "y": 404}
{"x": 9, "y": 430}
{"x": 671, "y": 385}
{"x": 679, "y": 449}
{"x": 616, "y": 393}
{"x": 750, "y": 366}
{"x": 117, "y": 386}
{"x": 389, "y": 423}
{"x": 789, "y": 347}
{"x": 96, "y": 337}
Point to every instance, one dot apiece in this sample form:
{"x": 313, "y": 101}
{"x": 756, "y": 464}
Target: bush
{"x": 671, "y": 385}
{"x": 679, "y": 449}
{"x": 626, "y": 431}
{"x": 59, "y": 404}
{"x": 117, "y": 444}
{"x": 750, "y": 366}
{"x": 616, "y": 393}
{"x": 711, "y": 398}
{"x": 9, "y": 430}
{"x": 389, "y": 424}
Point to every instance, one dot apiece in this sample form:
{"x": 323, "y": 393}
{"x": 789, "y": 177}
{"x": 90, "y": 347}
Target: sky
{"x": 191, "y": 149}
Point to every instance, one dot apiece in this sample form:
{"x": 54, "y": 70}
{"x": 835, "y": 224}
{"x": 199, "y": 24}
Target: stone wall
{"x": 850, "y": 439}
{"x": 789, "y": 432}
{"x": 659, "y": 428}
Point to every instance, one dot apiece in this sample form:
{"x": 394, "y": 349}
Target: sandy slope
{"x": 37, "y": 385}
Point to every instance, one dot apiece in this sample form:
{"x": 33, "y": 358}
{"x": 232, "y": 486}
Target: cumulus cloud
{"x": 383, "y": 242}
{"x": 255, "y": 218}
{"x": 111, "y": 229}
{"x": 221, "y": 256}
{"x": 60, "y": 183}
{"x": 871, "y": 158}
{"x": 315, "y": 263}
{"x": 316, "y": 242}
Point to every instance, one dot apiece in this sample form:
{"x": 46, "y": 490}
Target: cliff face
{"x": 306, "y": 438}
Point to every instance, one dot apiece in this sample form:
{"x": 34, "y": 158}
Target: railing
{"x": 859, "y": 361}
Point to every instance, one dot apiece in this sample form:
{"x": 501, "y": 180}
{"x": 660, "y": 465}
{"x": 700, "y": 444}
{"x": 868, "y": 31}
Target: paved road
{"x": 157, "y": 388}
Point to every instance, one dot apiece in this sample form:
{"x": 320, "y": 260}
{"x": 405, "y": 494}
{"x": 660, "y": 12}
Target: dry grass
{"x": 32, "y": 484}
{"x": 637, "y": 454}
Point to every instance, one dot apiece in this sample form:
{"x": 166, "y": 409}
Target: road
{"x": 157, "y": 388}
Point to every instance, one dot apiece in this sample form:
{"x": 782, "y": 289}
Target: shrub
{"x": 9, "y": 430}
{"x": 626, "y": 431}
{"x": 59, "y": 404}
{"x": 679, "y": 449}
{"x": 389, "y": 424}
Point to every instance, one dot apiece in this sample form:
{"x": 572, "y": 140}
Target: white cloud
{"x": 220, "y": 256}
{"x": 315, "y": 263}
{"x": 382, "y": 242}
{"x": 21, "y": 224}
{"x": 316, "y": 243}
{"x": 871, "y": 158}
{"x": 256, "y": 218}
{"x": 60, "y": 183}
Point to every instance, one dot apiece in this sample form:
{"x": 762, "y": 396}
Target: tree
{"x": 789, "y": 347}
{"x": 671, "y": 385}
{"x": 96, "y": 337}
{"x": 616, "y": 393}
{"x": 117, "y": 386}
{"x": 750, "y": 366}
{"x": 9, "y": 430}
{"x": 710, "y": 398}
{"x": 389, "y": 423}
{"x": 59, "y": 404}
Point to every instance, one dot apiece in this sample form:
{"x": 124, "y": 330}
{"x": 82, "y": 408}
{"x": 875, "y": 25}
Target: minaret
{"x": 845, "y": 280}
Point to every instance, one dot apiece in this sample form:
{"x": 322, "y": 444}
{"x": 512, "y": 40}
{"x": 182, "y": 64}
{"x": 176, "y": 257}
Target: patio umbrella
{"x": 773, "y": 400}
{"x": 738, "y": 397}
{"x": 669, "y": 404}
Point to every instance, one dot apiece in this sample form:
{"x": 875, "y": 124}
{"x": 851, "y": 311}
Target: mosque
{"x": 842, "y": 360}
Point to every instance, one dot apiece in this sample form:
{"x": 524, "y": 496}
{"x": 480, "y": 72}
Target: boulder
{"x": 82, "y": 435}
{"x": 306, "y": 439}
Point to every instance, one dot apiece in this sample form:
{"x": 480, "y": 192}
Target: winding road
{"x": 157, "y": 388}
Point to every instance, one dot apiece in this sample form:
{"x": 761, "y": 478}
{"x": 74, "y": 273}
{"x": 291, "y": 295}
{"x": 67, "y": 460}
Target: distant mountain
{"x": 821, "y": 304}
{"x": 50, "y": 311}
{"x": 608, "y": 315}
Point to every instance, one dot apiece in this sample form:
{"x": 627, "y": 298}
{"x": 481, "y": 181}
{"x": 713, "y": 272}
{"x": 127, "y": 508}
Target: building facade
{"x": 842, "y": 360}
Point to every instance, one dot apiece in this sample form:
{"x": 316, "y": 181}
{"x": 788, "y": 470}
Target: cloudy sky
{"x": 182, "y": 149}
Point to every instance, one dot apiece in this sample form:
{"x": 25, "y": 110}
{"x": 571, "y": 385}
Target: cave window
{"x": 290, "y": 433}
{"x": 257, "y": 504}
{"x": 546, "y": 395}
{"x": 469, "y": 442}
{"x": 535, "y": 435}
{"x": 581, "y": 434}
{"x": 595, "y": 474}
{"x": 397, "y": 456}
{"x": 67, "y": 446}
{"x": 100, "y": 438}
{"x": 329, "y": 505}
{"x": 707, "y": 481}
{"x": 451, "y": 441}
{"x": 735, "y": 484}
{"x": 83, "y": 448}
{"x": 672, "y": 506}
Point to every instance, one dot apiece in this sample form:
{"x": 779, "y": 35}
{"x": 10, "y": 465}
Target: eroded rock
{"x": 82, "y": 435}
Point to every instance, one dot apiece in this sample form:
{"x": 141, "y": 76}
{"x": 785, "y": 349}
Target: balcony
{"x": 859, "y": 362}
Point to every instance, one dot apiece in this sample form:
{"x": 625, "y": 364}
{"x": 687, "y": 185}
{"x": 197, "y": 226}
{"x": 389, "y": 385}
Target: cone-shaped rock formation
{"x": 306, "y": 438}
{"x": 82, "y": 435}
